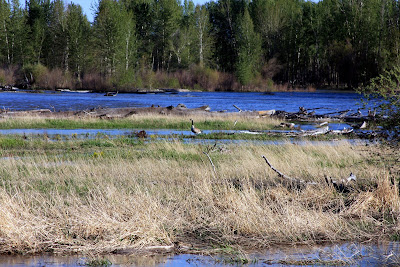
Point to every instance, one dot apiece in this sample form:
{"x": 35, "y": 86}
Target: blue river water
{"x": 347, "y": 254}
{"x": 322, "y": 101}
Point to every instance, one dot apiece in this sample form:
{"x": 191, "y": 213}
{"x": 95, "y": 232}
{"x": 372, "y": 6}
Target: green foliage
{"x": 98, "y": 262}
{"x": 328, "y": 43}
{"x": 386, "y": 88}
{"x": 249, "y": 49}
{"x": 114, "y": 36}
{"x": 36, "y": 73}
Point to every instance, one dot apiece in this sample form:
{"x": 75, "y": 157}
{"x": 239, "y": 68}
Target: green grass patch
{"x": 11, "y": 142}
{"x": 137, "y": 123}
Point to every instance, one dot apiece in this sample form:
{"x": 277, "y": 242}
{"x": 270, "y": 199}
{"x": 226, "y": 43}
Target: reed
{"x": 66, "y": 197}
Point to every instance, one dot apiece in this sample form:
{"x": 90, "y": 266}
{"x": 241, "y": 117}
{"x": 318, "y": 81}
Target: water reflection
{"x": 348, "y": 254}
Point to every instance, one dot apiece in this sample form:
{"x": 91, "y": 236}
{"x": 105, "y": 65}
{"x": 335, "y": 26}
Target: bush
{"x": 40, "y": 77}
{"x": 125, "y": 80}
{"x": 8, "y": 75}
{"x": 35, "y": 74}
{"x": 385, "y": 91}
{"x": 96, "y": 82}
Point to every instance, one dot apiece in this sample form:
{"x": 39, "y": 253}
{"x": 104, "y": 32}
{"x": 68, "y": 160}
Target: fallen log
{"x": 342, "y": 186}
{"x": 322, "y": 130}
{"x": 263, "y": 113}
{"x": 296, "y": 182}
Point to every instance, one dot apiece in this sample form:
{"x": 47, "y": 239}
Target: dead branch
{"x": 212, "y": 164}
{"x": 298, "y": 183}
{"x": 240, "y": 110}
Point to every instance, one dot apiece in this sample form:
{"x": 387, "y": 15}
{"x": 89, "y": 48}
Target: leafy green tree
{"x": 224, "y": 15}
{"x": 77, "y": 38}
{"x": 270, "y": 17}
{"x": 203, "y": 39}
{"x": 249, "y": 49}
{"x": 114, "y": 31}
{"x": 166, "y": 24}
{"x": 386, "y": 89}
{"x": 56, "y": 49}
{"x": 182, "y": 39}
{"x": 144, "y": 12}
{"x": 37, "y": 20}
{"x": 18, "y": 34}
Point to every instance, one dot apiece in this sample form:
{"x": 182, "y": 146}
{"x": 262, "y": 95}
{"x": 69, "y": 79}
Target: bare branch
{"x": 212, "y": 164}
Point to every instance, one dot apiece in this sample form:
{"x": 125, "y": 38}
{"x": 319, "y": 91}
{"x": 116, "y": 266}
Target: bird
{"x": 194, "y": 129}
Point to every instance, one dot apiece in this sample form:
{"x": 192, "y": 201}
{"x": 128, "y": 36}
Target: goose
{"x": 194, "y": 129}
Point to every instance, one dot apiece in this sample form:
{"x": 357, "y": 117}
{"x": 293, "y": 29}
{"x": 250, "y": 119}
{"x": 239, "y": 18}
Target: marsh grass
{"x": 66, "y": 197}
{"x": 149, "y": 121}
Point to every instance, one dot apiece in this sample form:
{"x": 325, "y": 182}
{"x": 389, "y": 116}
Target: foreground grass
{"x": 229, "y": 122}
{"x": 101, "y": 195}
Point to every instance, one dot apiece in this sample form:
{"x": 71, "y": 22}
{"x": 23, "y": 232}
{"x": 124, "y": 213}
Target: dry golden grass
{"x": 160, "y": 193}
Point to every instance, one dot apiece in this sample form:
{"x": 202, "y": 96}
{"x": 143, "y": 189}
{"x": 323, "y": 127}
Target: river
{"x": 347, "y": 254}
{"x": 321, "y": 101}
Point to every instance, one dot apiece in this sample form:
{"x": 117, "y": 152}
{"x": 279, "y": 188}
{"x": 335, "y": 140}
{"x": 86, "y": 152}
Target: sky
{"x": 88, "y": 6}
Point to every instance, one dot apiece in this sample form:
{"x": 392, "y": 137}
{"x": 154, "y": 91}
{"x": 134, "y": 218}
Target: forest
{"x": 236, "y": 45}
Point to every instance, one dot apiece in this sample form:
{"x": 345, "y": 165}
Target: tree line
{"x": 222, "y": 45}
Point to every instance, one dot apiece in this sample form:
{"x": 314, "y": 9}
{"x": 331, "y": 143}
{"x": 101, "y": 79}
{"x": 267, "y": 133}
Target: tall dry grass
{"x": 126, "y": 196}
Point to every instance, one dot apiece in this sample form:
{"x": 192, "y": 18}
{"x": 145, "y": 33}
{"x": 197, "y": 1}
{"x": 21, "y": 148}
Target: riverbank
{"x": 127, "y": 196}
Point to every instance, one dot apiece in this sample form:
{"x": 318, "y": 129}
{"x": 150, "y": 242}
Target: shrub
{"x": 96, "y": 82}
{"x": 386, "y": 90}
{"x": 8, "y": 75}
{"x": 125, "y": 80}
{"x": 35, "y": 74}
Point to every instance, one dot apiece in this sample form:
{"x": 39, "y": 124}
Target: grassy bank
{"x": 101, "y": 195}
{"x": 229, "y": 122}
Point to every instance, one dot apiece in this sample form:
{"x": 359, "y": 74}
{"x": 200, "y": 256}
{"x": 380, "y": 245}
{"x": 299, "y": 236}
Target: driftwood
{"x": 111, "y": 93}
{"x": 319, "y": 131}
{"x": 341, "y": 115}
{"x": 342, "y": 186}
{"x": 296, "y": 182}
{"x": 240, "y": 110}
